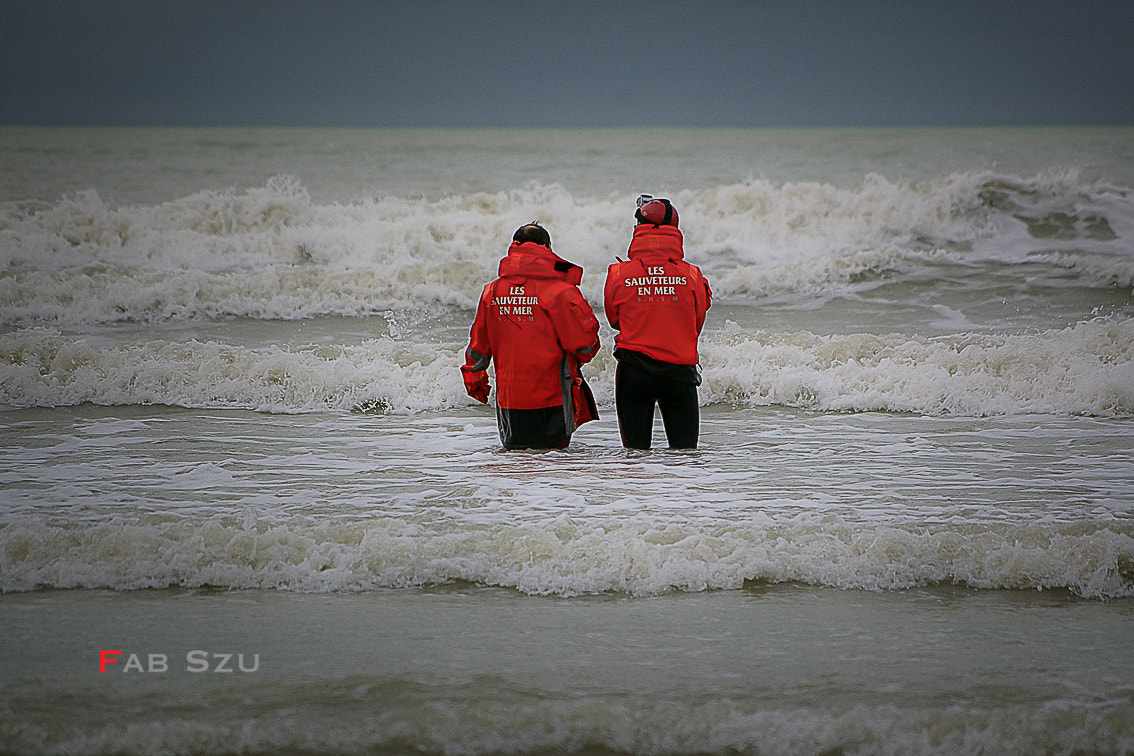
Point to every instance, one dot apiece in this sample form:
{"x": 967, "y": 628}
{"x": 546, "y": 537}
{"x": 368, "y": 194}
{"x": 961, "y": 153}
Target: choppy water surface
{"x": 233, "y": 423}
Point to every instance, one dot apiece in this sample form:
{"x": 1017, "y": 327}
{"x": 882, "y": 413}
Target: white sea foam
{"x": 1087, "y": 369}
{"x": 42, "y": 368}
{"x": 271, "y": 252}
{"x": 589, "y": 554}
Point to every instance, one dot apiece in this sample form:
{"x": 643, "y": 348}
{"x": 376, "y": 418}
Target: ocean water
{"x": 246, "y": 506}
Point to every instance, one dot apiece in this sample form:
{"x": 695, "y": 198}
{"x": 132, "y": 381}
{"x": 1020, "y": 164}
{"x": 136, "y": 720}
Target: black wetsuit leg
{"x": 636, "y": 392}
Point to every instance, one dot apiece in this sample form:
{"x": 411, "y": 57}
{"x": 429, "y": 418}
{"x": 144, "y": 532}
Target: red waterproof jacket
{"x": 657, "y": 301}
{"x": 535, "y": 326}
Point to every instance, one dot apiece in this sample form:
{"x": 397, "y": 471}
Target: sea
{"x": 247, "y": 508}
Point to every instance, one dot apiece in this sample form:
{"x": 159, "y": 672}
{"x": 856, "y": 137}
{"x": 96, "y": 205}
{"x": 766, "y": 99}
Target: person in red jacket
{"x": 533, "y": 324}
{"x": 657, "y": 302}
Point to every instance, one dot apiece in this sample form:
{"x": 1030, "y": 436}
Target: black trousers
{"x": 639, "y": 387}
{"x": 544, "y": 428}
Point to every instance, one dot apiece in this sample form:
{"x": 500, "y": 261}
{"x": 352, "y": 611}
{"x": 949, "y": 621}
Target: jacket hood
{"x": 656, "y": 243}
{"x": 532, "y": 260}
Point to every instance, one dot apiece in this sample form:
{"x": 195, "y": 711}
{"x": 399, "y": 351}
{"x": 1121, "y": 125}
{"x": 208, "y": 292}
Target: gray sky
{"x": 567, "y": 63}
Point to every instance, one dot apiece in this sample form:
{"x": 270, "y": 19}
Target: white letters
{"x": 223, "y": 666}
{"x": 502, "y": 301}
{"x": 655, "y": 281}
{"x": 197, "y": 661}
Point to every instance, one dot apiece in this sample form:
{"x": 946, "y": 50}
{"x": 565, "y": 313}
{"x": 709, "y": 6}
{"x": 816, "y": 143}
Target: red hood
{"x": 531, "y": 260}
{"x": 656, "y": 244}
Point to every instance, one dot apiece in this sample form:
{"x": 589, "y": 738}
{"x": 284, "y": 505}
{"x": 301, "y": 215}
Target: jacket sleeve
{"x": 478, "y": 355}
{"x": 704, "y": 300}
{"x": 575, "y": 323}
{"x": 609, "y": 306}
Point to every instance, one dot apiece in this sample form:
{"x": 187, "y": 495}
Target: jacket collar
{"x": 658, "y": 243}
{"x": 532, "y": 260}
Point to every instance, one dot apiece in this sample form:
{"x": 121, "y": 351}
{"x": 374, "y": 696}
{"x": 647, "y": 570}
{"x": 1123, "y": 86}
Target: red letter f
{"x": 107, "y": 657}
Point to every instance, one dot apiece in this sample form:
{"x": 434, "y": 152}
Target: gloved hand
{"x": 478, "y": 389}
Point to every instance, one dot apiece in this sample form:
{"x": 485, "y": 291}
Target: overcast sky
{"x": 567, "y": 63}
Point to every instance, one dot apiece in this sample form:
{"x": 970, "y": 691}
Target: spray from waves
{"x": 1086, "y": 369}
{"x": 271, "y": 253}
{"x": 564, "y": 557}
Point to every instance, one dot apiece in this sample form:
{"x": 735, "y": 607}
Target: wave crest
{"x": 1086, "y": 369}
{"x": 79, "y": 260}
{"x": 638, "y": 556}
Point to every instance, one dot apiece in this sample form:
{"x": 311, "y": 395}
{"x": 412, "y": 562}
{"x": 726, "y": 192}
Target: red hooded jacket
{"x": 657, "y": 301}
{"x": 535, "y": 326}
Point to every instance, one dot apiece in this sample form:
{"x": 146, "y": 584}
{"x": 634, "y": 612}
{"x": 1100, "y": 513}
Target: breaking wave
{"x": 271, "y": 253}
{"x": 1087, "y": 369}
{"x": 566, "y": 556}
